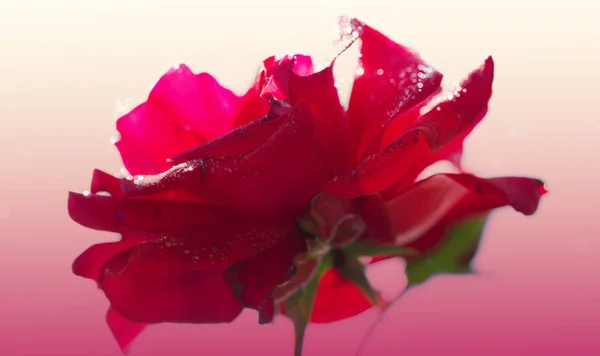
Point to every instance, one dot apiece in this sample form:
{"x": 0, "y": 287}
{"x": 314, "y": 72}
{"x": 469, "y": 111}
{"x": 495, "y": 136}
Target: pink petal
{"x": 145, "y": 288}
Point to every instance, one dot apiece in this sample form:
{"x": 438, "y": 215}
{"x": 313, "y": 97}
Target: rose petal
{"x": 238, "y": 141}
{"x": 145, "y": 288}
{"x": 149, "y": 137}
{"x": 155, "y": 216}
{"x": 450, "y": 122}
{"x": 277, "y": 178}
{"x": 252, "y": 107}
{"x": 89, "y": 264}
{"x": 437, "y": 202}
{"x": 196, "y": 102}
{"x": 430, "y": 133}
{"x": 123, "y": 329}
{"x": 392, "y": 79}
{"x": 329, "y": 307}
{"x": 222, "y": 244}
{"x": 255, "y": 278}
{"x": 319, "y": 91}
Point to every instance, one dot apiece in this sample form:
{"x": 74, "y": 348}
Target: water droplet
{"x": 86, "y": 193}
{"x": 360, "y": 71}
{"x": 438, "y": 108}
{"x": 115, "y": 138}
{"x": 380, "y": 71}
{"x": 419, "y": 85}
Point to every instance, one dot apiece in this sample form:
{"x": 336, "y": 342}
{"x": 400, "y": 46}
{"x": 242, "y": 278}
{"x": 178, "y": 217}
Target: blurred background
{"x": 69, "y": 68}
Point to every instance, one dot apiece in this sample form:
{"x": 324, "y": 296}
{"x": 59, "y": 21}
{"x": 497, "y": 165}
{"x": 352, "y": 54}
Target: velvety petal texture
{"x": 262, "y": 199}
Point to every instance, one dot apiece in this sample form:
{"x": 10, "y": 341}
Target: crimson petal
{"x": 450, "y": 122}
{"x": 144, "y": 287}
{"x": 155, "y": 216}
{"x": 418, "y": 214}
{"x": 295, "y": 172}
{"x": 392, "y": 79}
{"x": 220, "y": 245}
{"x": 430, "y": 134}
{"x": 329, "y": 308}
{"x": 319, "y": 91}
{"x": 254, "y": 279}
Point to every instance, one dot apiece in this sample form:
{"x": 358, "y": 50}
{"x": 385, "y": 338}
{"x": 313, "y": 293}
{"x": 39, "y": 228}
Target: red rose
{"x": 240, "y": 201}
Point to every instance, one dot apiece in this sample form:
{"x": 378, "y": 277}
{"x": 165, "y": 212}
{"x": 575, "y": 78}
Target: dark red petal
{"x": 254, "y": 279}
{"x": 149, "y": 137}
{"x": 337, "y": 299}
{"x": 428, "y": 136}
{"x": 442, "y": 199}
{"x": 123, "y": 329}
{"x": 123, "y": 214}
{"x": 392, "y": 79}
{"x": 241, "y": 140}
{"x": 279, "y": 177}
{"x": 450, "y": 122}
{"x": 195, "y": 102}
{"x": 220, "y": 245}
{"x": 145, "y": 288}
{"x": 319, "y": 91}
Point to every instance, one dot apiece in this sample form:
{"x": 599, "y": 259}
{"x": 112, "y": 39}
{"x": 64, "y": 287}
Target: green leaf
{"x": 299, "y": 305}
{"x": 370, "y": 248}
{"x": 453, "y": 255}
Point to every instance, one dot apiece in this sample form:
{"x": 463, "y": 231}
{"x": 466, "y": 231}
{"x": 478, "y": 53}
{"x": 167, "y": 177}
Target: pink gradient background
{"x": 65, "y": 64}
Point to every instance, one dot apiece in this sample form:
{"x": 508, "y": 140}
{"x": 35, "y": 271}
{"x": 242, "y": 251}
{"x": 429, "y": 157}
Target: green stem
{"x": 300, "y": 328}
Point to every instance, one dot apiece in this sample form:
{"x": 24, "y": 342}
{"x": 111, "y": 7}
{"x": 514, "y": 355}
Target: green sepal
{"x": 299, "y": 305}
{"x": 354, "y": 271}
{"x": 454, "y": 254}
{"x": 369, "y": 248}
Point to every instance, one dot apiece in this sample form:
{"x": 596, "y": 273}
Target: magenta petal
{"x": 392, "y": 79}
{"x": 149, "y": 137}
{"x": 123, "y": 329}
{"x": 144, "y": 287}
{"x": 195, "y": 102}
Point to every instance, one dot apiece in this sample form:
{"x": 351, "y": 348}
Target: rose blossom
{"x": 266, "y": 200}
